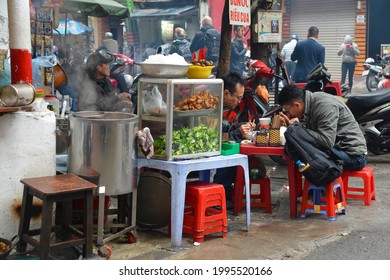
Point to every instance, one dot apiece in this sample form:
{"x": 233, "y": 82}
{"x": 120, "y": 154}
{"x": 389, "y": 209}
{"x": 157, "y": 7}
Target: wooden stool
{"x": 262, "y": 199}
{"x": 328, "y": 199}
{"x": 55, "y": 189}
{"x": 205, "y": 210}
{"x": 367, "y": 193}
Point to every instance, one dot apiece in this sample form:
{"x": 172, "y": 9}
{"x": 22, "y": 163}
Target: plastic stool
{"x": 367, "y": 193}
{"x": 328, "y": 199}
{"x": 56, "y": 189}
{"x": 205, "y": 210}
{"x": 262, "y": 199}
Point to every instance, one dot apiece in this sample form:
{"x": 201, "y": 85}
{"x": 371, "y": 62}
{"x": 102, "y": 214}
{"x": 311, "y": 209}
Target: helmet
{"x": 386, "y": 72}
{"x": 294, "y": 37}
{"x": 369, "y": 60}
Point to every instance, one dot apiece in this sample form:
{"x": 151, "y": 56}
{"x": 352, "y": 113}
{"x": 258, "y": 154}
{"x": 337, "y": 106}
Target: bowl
{"x": 199, "y": 72}
{"x": 164, "y": 70}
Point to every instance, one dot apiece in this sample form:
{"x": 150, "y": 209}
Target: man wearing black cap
{"x": 98, "y": 93}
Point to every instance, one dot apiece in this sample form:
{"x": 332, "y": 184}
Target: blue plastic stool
{"x": 323, "y": 200}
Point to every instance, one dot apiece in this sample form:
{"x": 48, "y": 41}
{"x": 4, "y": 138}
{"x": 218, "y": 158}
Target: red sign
{"x": 52, "y": 3}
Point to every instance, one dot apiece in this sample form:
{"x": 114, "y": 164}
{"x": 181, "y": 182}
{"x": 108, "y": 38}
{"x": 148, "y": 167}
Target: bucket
{"x": 104, "y": 142}
{"x": 17, "y": 95}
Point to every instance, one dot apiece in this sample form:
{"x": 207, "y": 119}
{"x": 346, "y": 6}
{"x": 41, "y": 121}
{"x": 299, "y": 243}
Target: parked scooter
{"x": 385, "y": 80}
{"x": 371, "y": 111}
{"x": 373, "y": 71}
{"x": 252, "y": 106}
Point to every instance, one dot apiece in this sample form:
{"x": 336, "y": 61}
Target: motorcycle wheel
{"x": 372, "y": 82}
{"x": 279, "y": 160}
{"x": 372, "y": 146}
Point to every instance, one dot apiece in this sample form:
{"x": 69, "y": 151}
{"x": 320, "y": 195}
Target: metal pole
{"x": 20, "y": 41}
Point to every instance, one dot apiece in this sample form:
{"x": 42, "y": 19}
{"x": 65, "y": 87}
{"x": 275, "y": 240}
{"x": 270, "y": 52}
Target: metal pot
{"x": 11, "y": 245}
{"x": 60, "y": 77}
{"x": 103, "y": 143}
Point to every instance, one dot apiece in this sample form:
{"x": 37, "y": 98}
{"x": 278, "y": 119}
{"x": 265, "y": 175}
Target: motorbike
{"x": 373, "y": 70}
{"x": 252, "y": 106}
{"x": 120, "y": 75}
{"x": 385, "y": 80}
{"x": 371, "y": 111}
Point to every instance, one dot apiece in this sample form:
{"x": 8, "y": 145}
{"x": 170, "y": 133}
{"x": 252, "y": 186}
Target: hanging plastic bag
{"x": 153, "y": 102}
{"x": 5, "y": 75}
{"x": 37, "y": 63}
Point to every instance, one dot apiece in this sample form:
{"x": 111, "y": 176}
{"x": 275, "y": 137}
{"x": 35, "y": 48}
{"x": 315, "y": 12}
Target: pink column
{"x": 20, "y": 41}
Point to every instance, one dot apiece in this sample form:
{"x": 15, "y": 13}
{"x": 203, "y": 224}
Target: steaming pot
{"x": 102, "y": 146}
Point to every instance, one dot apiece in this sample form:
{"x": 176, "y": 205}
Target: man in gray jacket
{"x": 329, "y": 120}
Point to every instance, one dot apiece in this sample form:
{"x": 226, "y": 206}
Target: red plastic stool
{"x": 328, "y": 199}
{"x": 367, "y": 193}
{"x": 205, "y": 210}
{"x": 262, "y": 199}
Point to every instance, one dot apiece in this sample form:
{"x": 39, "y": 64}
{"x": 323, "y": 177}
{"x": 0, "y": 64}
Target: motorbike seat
{"x": 361, "y": 103}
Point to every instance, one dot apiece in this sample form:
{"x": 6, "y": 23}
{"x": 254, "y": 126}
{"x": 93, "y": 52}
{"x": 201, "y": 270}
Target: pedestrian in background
{"x": 348, "y": 50}
{"x": 238, "y": 51}
{"x": 308, "y": 53}
{"x": 110, "y": 44}
{"x": 149, "y": 50}
{"x": 180, "y": 44}
{"x": 207, "y": 37}
{"x": 287, "y": 50}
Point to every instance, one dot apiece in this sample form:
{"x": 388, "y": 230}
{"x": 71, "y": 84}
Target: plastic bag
{"x": 153, "y": 103}
{"x": 37, "y": 63}
{"x": 5, "y": 75}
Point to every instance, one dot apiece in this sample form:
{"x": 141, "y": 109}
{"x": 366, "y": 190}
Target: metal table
{"x": 179, "y": 171}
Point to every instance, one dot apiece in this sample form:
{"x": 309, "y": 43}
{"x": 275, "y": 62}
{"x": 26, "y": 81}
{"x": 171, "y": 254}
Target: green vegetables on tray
{"x": 185, "y": 141}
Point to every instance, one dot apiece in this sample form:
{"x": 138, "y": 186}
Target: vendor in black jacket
{"x": 232, "y": 95}
{"x": 98, "y": 93}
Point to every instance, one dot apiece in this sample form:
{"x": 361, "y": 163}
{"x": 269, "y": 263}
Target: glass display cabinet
{"x": 183, "y": 115}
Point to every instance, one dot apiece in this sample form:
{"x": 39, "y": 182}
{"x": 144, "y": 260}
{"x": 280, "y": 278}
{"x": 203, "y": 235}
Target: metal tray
{"x": 195, "y": 113}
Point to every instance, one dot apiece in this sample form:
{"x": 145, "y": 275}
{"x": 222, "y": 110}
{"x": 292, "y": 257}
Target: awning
{"x": 175, "y": 11}
{"x": 96, "y": 8}
{"x": 72, "y": 27}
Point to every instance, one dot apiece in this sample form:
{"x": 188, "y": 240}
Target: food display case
{"x": 183, "y": 115}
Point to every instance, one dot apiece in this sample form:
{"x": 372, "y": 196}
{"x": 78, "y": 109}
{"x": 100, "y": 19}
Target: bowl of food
{"x": 164, "y": 70}
{"x": 199, "y": 72}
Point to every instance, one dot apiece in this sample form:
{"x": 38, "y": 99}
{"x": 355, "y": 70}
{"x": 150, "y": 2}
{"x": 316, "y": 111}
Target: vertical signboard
{"x": 240, "y": 12}
{"x": 269, "y": 26}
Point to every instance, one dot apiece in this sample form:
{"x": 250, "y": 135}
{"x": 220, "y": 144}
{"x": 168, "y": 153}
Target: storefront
{"x": 334, "y": 19}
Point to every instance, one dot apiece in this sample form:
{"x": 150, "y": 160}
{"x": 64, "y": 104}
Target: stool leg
{"x": 373, "y": 197}
{"x": 265, "y": 191}
{"x": 304, "y": 199}
{"x": 24, "y": 224}
{"x": 44, "y": 239}
{"x": 330, "y": 209}
{"x": 367, "y": 190}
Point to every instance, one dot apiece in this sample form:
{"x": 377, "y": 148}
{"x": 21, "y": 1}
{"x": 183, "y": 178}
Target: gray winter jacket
{"x": 330, "y": 121}
{"x": 349, "y": 50}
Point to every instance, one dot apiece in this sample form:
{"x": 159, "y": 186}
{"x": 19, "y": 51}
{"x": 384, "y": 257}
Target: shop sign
{"x": 385, "y": 49}
{"x": 52, "y": 3}
{"x": 239, "y": 12}
{"x": 269, "y": 26}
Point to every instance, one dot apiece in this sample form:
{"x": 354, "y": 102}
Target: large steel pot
{"x": 102, "y": 149}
